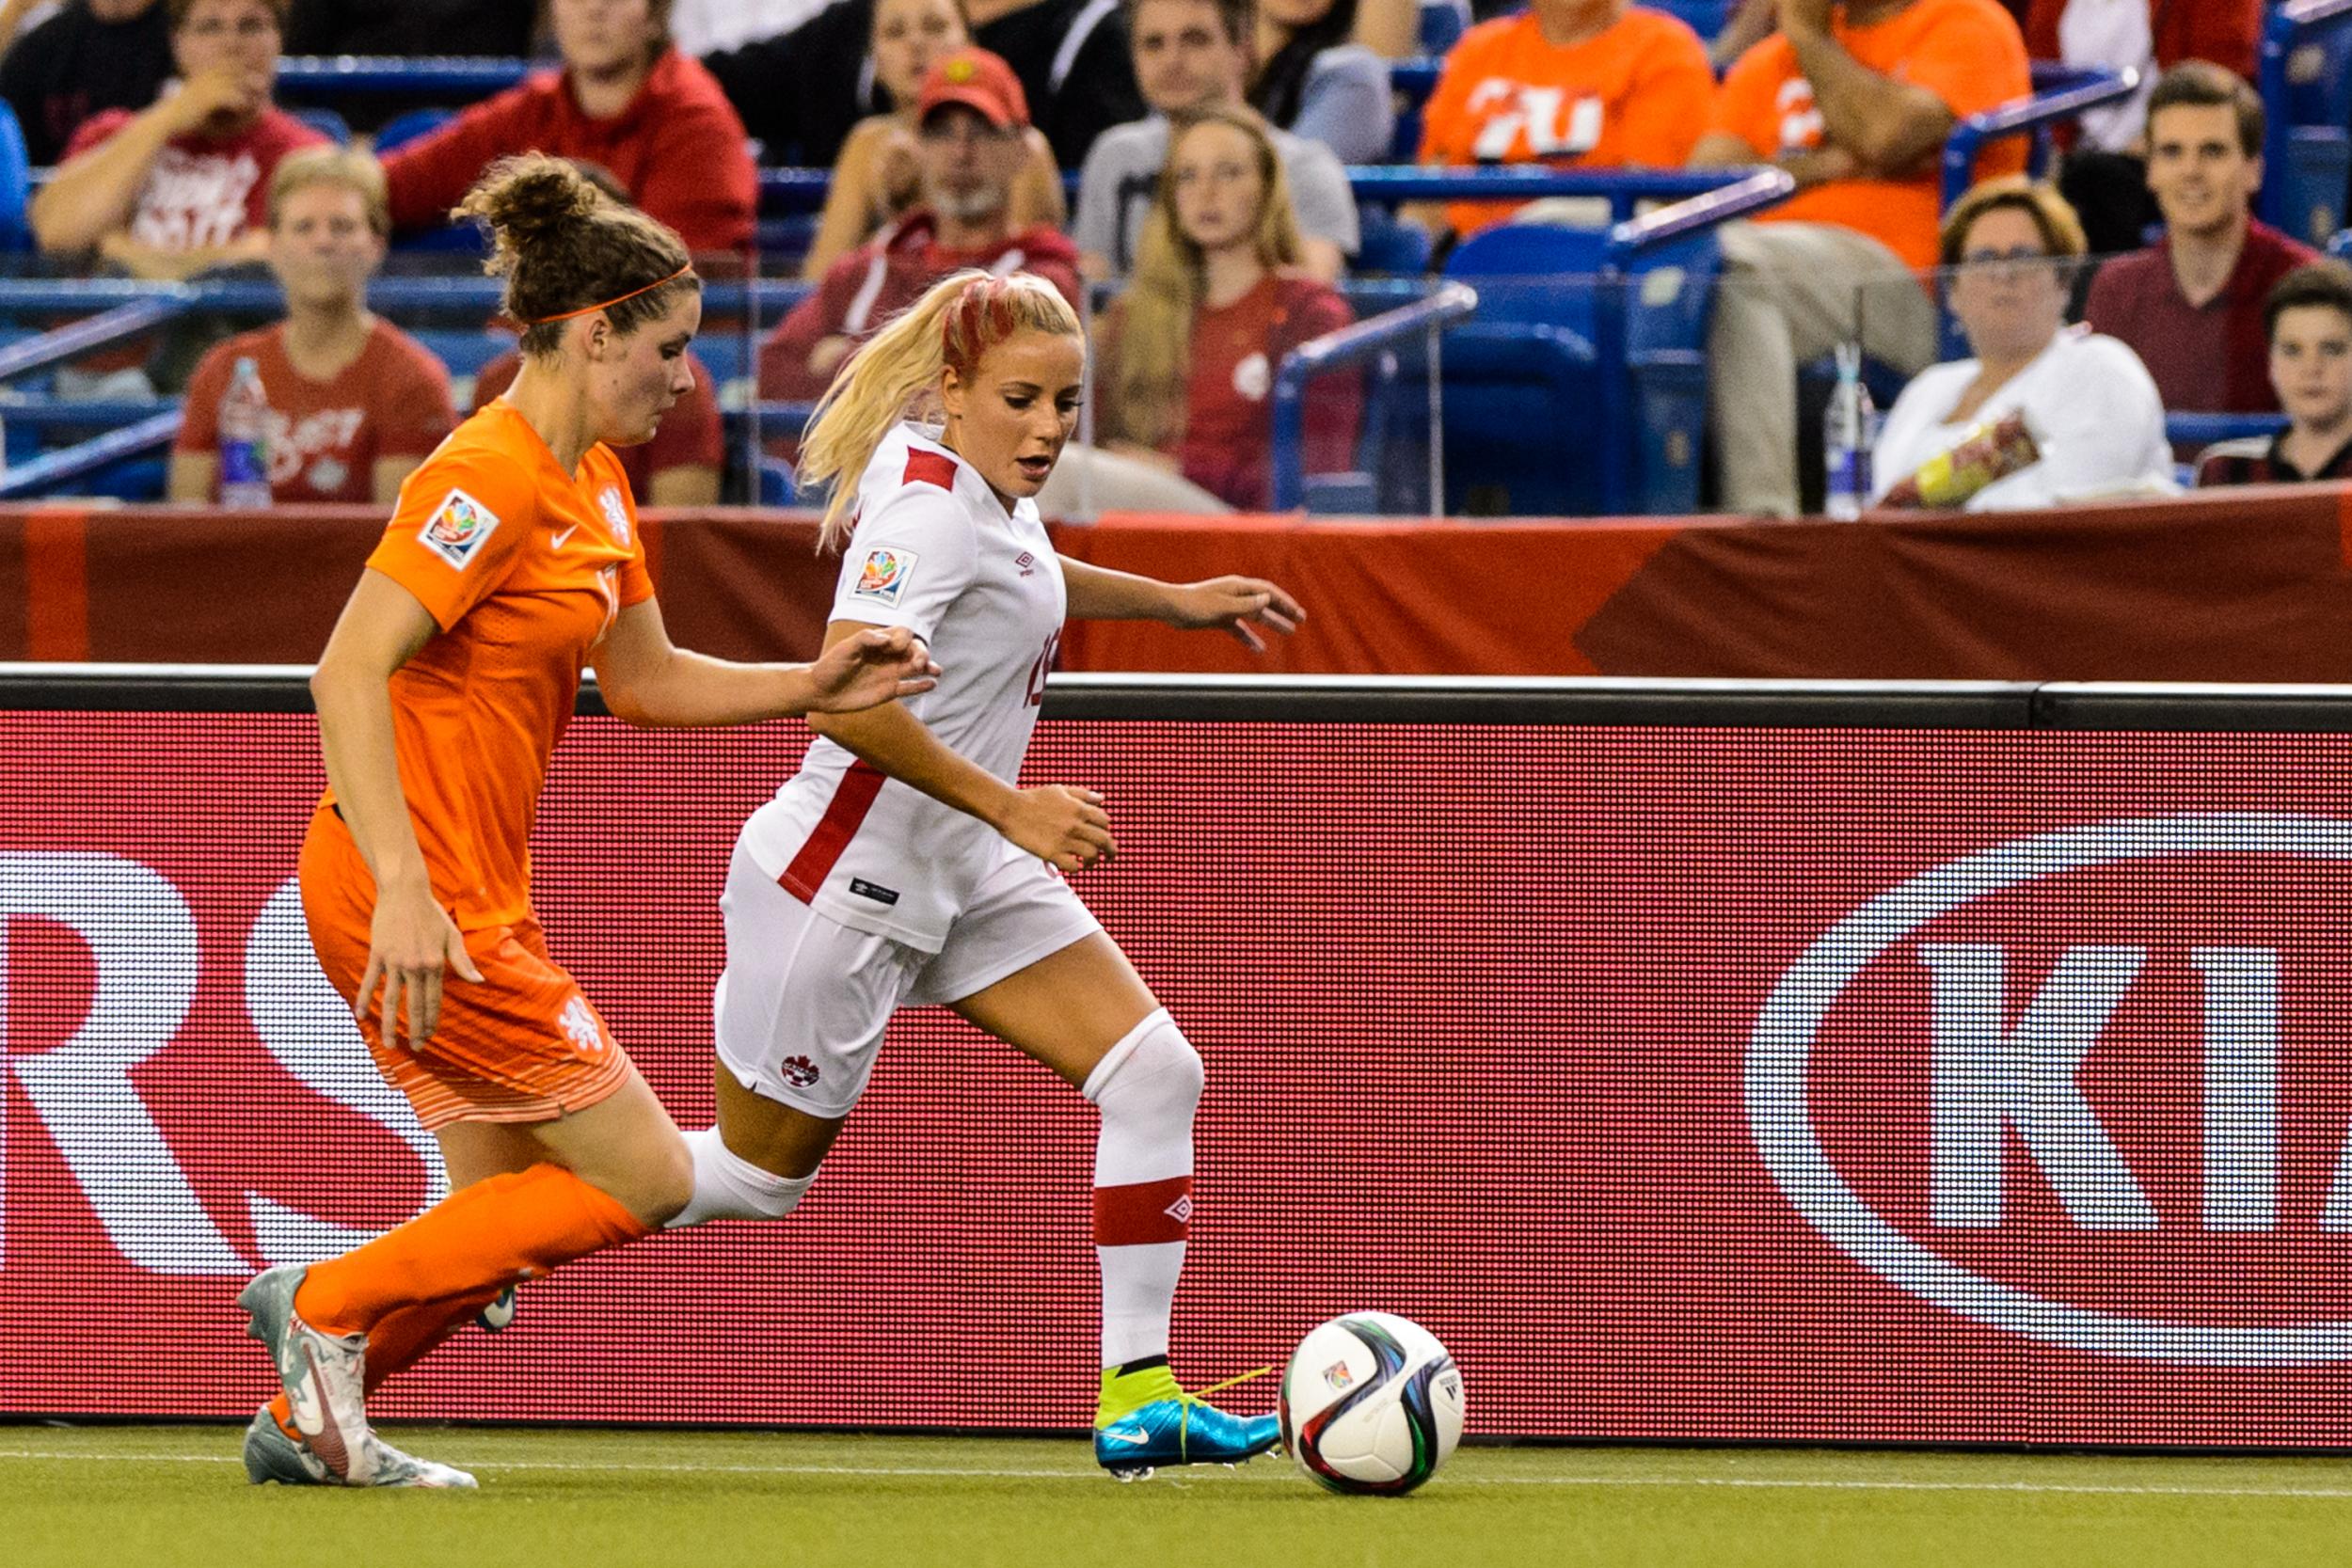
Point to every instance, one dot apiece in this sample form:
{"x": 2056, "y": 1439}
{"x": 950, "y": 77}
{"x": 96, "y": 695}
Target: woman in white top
{"x": 2008, "y": 250}
{"x": 903, "y": 865}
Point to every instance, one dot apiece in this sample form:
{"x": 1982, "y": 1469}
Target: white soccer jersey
{"x": 934, "y": 550}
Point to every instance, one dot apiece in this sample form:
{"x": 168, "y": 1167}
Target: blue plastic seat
{"x": 411, "y": 126}
{"x": 327, "y": 122}
{"x": 2306, "y": 81}
{"x": 1442, "y": 24}
{"x": 16, "y": 184}
{"x": 1581, "y": 389}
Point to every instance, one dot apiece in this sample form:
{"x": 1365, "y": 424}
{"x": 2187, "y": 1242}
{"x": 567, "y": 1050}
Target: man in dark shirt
{"x": 1070, "y": 56}
{"x": 2191, "y": 306}
{"x": 93, "y": 54}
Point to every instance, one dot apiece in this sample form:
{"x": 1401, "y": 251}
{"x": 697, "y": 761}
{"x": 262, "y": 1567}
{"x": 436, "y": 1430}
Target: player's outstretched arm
{"x": 1067, "y": 827}
{"x": 1240, "y": 605}
{"x": 649, "y": 681}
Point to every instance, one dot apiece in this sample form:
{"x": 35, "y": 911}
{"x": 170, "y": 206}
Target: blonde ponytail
{"x": 896, "y": 375}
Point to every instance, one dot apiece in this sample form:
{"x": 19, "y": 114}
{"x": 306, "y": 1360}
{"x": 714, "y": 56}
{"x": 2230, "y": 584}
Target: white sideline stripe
{"x": 2073, "y": 1489}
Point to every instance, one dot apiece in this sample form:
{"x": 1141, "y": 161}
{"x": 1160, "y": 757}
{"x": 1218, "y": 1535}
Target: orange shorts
{"x": 523, "y": 1045}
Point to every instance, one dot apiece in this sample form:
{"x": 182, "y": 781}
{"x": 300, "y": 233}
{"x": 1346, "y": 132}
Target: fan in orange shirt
{"x": 1857, "y": 165}
{"x": 1854, "y": 99}
{"x": 511, "y": 563}
{"x": 1577, "y": 84}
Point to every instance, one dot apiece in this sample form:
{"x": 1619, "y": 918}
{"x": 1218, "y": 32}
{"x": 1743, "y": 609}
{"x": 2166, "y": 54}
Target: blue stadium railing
{"x": 1446, "y": 306}
{"x": 1582, "y": 387}
{"x": 2061, "y": 93}
{"x": 2305, "y": 77}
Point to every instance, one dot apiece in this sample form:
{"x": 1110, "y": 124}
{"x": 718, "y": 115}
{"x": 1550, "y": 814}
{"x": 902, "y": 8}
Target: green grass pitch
{"x": 165, "y": 1497}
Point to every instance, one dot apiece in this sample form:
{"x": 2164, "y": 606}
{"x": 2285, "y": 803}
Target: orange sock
{"x": 490, "y": 1235}
{"x": 399, "y": 1342}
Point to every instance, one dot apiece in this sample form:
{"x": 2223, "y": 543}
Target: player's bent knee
{"x": 1155, "y": 1067}
{"x": 663, "y": 1187}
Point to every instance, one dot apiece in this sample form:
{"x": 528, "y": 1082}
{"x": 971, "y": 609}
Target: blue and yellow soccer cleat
{"x": 1146, "y": 1421}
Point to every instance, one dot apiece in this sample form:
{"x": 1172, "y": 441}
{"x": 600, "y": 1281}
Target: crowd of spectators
{"x": 1209, "y": 141}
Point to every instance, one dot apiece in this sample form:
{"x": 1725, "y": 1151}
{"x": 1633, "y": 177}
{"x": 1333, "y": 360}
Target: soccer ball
{"x": 1371, "y": 1402}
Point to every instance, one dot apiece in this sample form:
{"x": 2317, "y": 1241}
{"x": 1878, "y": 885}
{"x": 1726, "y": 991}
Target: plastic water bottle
{"x": 244, "y": 438}
{"x": 1848, "y": 431}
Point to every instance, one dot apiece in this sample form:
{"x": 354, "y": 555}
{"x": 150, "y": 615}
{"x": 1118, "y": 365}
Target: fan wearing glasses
{"x": 2096, "y": 425}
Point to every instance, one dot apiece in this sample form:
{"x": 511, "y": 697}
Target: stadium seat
{"x": 408, "y": 127}
{"x": 1602, "y": 332}
{"x": 16, "y": 184}
{"x": 1707, "y": 17}
{"x": 327, "y": 122}
{"x": 1389, "y": 244}
{"x": 2306, "y": 84}
{"x": 1442, "y": 24}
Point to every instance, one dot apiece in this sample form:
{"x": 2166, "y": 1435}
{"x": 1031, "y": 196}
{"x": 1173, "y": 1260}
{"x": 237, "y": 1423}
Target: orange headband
{"x": 607, "y": 304}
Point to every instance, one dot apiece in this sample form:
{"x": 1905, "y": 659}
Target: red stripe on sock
{"x": 1143, "y": 1215}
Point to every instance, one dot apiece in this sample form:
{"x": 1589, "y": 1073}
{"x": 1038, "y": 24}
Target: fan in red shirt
{"x": 1186, "y": 356}
{"x": 355, "y": 404}
{"x": 182, "y": 186}
{"x": 626, "y": 100}
{"x": 969, "y": 148}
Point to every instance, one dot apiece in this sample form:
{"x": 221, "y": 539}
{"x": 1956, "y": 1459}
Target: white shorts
{"x": 802, "y": 1006}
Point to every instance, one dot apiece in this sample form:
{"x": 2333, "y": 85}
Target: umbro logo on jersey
{"x": 1026, "y": 561}
{"x": 1180, "y": 1211}
{"x": 879, "y": 893}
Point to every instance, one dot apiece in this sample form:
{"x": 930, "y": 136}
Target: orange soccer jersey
{"x": 1968, "y": 52}
{"x": 1634, "y": 95}
{"x": 523, "y": 567}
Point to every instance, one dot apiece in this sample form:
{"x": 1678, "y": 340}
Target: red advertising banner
{"x": 1690, "y": 1083}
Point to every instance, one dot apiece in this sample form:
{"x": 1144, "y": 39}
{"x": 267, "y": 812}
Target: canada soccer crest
{"x": 457, "y": 527}
{"x": 883, "y": 578}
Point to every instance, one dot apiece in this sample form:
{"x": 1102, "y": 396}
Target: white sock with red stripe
{"x": 1147, "y": 1088}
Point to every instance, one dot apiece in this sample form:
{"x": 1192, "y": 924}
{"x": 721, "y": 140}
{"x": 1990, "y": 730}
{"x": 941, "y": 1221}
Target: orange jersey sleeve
{"x": 460, "y": 525}
{"x": 1747, "y": 104}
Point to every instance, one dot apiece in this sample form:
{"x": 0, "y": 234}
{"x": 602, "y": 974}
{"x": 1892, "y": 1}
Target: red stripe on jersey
{"x": 1144, "y": 1213}
{"x": 930, "y": 468}
{"x": 852, "y": 800}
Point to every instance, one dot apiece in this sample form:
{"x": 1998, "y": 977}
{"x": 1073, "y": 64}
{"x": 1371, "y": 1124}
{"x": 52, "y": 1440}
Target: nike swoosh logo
{"x": 557, "y": 539}
{"x": 302, "y": 1394}
{"x": 1130, "y": 1435}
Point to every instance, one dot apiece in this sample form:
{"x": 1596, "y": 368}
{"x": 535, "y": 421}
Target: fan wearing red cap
{"x": 970, "y": 121}
{"x": 876, "y": 179}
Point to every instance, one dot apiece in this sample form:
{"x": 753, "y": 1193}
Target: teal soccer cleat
{"x": 1171, "y": 1427}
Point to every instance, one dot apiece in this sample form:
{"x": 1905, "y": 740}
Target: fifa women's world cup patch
{"x": 883, "y": 578}
{"x": 457, "y": 527}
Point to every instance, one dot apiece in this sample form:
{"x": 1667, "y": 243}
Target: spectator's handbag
{"x": 1988, "y": 454}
